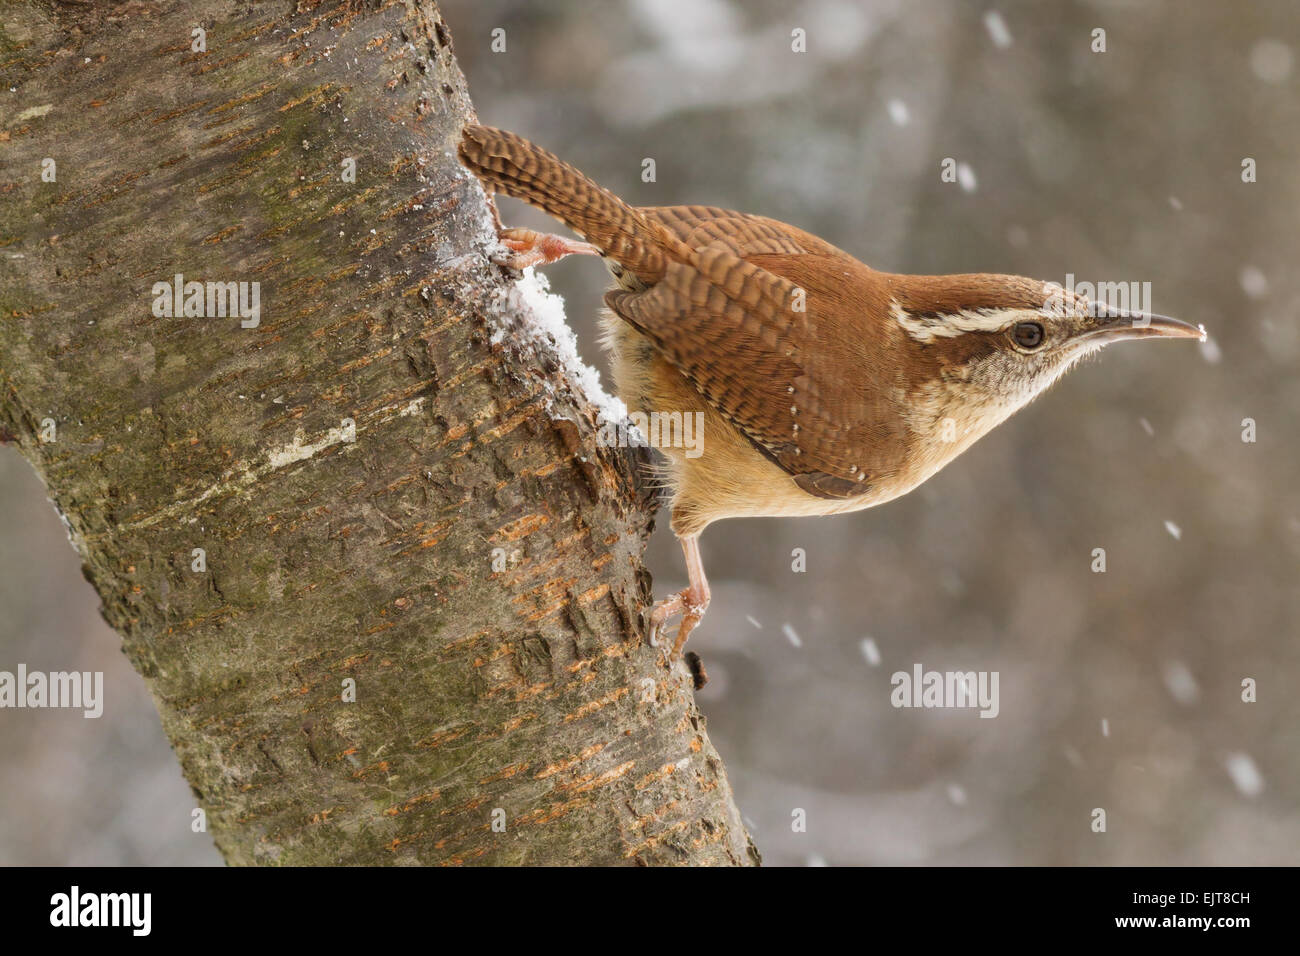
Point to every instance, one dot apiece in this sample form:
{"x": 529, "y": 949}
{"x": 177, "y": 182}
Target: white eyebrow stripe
{"x": 926, "y": 328}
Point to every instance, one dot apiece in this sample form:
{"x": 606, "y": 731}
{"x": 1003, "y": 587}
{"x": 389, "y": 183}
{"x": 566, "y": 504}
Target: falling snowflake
{"x": 1245, "y": 775}
{"x": 966, "y": 178}
{"x": 870, "y": 652}
{"x": 1271, "y": 61}
{"x": 997, "y": 28}
{"x": 1253, "y": 282}
{"x": 1180, "y": 682}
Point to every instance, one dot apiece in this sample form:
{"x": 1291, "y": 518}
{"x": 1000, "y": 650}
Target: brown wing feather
{"x": 726, "y": 315}
{"x": 697, "y": 226}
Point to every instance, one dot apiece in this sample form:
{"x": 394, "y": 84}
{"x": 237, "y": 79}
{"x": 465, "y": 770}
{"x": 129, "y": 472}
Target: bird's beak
{"x": 1115, "y": 327}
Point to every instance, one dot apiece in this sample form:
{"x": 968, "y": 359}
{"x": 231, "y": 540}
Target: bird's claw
{"x": 686, "y": 603}
{"x": 527, "y": 247}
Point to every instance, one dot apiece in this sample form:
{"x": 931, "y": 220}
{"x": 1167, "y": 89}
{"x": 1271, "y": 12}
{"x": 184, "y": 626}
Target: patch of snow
{"x": 543, "y": 310}
{"x": 547, "y": 309}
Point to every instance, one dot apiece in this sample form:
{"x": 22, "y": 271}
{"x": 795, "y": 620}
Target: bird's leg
{"x": 690, "y": 603}
{"x": 530, "y": 248}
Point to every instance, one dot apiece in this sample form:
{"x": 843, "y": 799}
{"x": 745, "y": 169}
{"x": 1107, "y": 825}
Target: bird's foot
{"x": 530, "y": 248}
{"x": 691, "y": 604}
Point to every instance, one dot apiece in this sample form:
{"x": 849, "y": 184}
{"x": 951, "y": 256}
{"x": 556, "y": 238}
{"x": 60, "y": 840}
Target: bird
{"x": 825, "y": 386}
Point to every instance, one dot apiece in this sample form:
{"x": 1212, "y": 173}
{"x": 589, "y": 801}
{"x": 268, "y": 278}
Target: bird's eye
{"x": 1027, "y": 335}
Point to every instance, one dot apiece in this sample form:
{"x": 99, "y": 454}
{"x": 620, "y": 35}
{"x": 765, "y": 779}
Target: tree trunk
{"x": 412, "y": 633}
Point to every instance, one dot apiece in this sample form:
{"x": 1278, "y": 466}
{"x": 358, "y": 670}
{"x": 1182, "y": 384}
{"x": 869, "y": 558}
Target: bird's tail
{"x": 514, "y": 166}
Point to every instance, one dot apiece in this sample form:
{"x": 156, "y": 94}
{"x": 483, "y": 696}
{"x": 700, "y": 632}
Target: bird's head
{"x": 986, "y": 345}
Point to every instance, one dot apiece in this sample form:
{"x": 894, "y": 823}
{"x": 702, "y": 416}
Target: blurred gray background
{"x": 1119, "y": 690}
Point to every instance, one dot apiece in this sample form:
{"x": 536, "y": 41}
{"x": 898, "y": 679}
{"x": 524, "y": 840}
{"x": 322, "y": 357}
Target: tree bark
{"x": 395, "y": 485}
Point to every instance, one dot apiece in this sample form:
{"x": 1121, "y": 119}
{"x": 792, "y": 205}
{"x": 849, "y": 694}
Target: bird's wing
{"x": 697, "y": 226}
{"x": 738, "y": 312}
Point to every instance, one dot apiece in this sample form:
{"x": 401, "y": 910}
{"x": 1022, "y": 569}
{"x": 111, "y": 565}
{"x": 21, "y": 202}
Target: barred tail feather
{"x": 512, "y": 165}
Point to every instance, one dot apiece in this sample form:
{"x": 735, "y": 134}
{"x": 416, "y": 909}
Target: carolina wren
{"x": 825, "y": 386}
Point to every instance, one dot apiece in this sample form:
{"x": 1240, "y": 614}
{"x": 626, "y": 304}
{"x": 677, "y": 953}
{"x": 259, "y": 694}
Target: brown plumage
{"x": 826, "y": 386}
